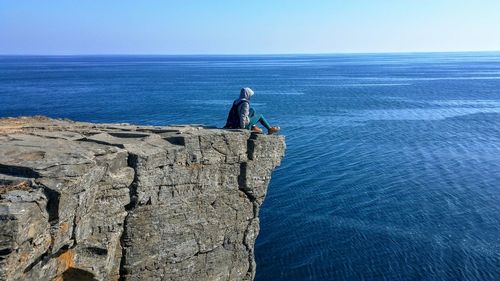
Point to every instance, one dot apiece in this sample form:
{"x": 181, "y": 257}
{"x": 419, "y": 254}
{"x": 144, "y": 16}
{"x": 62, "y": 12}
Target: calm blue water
{"x": 393, "y": 164}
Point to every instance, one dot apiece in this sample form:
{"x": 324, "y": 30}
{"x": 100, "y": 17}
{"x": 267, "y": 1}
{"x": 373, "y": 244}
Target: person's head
{"x": 246, "y": 93}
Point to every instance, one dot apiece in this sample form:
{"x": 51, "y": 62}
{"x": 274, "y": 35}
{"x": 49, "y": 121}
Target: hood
{"x": 246, "y": 93}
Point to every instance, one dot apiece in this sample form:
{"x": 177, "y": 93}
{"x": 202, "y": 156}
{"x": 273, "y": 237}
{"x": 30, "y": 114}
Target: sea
{"x": 392, "y": 167}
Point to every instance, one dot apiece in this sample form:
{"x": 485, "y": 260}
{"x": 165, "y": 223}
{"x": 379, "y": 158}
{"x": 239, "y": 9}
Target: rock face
{"x": 82, "y": 201}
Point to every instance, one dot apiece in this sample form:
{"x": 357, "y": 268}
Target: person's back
{"x": 242, "y": 116}
{"x": 233, "y": 118}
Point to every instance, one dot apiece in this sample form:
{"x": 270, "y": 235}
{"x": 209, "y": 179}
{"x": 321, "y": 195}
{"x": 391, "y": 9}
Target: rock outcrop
{"x": 82, "y": 201}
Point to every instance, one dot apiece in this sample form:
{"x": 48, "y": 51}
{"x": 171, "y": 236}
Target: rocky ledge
{"x": 83, "y": 201}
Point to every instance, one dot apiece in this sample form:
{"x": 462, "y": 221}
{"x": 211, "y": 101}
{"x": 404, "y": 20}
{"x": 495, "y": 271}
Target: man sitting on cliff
{"x": 242, "y": 116}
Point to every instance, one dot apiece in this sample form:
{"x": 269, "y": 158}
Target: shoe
{"x": 256, "y": 130}
{"x": 273, "y": 130}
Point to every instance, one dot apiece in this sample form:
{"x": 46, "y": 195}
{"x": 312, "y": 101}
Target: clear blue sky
{"x": 247, "y": 27}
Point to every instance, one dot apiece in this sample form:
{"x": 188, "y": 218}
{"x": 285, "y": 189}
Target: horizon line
{"x": 250, "y": 54}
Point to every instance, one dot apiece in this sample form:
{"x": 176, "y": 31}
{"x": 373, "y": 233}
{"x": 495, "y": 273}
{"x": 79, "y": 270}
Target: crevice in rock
{"x": 249, "y": 249}
{"x": 128, "y": 135}
{"x": 201, "y": 253}
{"x": 4, "y": 252}
{"x": 43, "y": 257}
{"x": 76, "y": 274}
{"x": 242, "y": 186}
{"x": 18, "y": 171}
{"x": 46, "y": 256}
{"x": 119, "y": 145}
{"x": 251, "y": 146}
{"x": 132, "y": 161}
{"x": 73, "y": 230}
{"x": 217, "y": 149}
{"x": 242, "y": 182}
{"x": 52, "y": 206}
{"x": 176, "y": 140}
{"x": 98, "y": 251}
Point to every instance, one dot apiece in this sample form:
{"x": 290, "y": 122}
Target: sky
{"x": 57, "y": 27}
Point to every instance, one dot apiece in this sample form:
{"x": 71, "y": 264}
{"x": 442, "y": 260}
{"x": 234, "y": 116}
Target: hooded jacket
{"x": 244, "y": 108}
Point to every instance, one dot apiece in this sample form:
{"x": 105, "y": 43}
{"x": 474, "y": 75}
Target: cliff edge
{"x": 83, "y": 201}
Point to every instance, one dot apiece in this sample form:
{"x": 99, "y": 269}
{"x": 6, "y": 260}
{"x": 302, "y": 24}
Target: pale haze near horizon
{"x": 247, "y": 27}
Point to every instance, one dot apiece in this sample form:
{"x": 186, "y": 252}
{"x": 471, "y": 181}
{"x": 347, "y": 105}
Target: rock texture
{"x": 82, "y": 201}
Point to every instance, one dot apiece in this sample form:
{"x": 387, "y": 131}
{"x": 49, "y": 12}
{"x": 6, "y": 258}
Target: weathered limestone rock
{"x": 82, "y": 201}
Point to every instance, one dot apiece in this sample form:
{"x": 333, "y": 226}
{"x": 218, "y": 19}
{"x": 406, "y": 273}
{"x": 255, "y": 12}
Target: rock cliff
{"x": 82, "y": 201}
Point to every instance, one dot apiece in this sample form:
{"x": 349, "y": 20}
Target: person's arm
{"x": 244, "y": 115}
